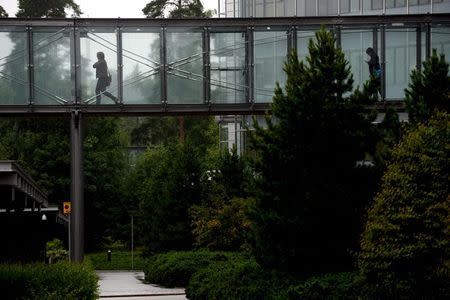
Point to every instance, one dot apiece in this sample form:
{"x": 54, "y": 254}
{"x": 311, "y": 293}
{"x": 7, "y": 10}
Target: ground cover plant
{"x": 120, "y": 260}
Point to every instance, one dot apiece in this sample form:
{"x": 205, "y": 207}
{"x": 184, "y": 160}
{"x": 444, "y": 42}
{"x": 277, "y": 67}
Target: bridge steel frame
{"x": 378, "y": 23}
{"x": 78, "y": 110}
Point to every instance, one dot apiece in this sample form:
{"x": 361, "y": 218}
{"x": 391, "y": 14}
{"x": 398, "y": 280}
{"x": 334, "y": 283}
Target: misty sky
{"x": 105, "y": 8}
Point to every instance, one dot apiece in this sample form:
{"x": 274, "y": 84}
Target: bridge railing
{"x": 194, "y": 65}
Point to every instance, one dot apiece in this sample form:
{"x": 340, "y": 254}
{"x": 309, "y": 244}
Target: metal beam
{"x": 119, "y": 64}
{"x": 163, "y": 67}
{"x": 30, "y": 65}
{"x": 76, "y": 189}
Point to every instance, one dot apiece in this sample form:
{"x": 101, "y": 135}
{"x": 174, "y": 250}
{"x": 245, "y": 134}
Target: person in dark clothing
{"x": 101, "y": 72}
{"x": 374, "y": 67}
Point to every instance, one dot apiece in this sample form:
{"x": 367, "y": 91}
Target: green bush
{"x": 405, "y": 245}
{"x": 58, "y": 281}
{"x": 240, "y": 278}
{"x": 345, "y": 285}
{"x": 176, "y": 268}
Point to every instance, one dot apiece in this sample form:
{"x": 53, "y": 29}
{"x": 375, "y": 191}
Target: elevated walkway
{"x": 193, "y": 66}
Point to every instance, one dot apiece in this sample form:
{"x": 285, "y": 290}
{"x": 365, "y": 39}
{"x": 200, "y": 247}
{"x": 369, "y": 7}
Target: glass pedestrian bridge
{"x": 193, "y": 66}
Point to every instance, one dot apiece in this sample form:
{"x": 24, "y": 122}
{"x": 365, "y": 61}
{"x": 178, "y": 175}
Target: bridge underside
{"x": 193, "y": 66}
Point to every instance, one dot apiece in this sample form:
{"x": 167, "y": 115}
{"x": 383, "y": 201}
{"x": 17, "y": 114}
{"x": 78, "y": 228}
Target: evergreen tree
{"x": 308, "y": 184}
{"x": 176, "y": 9}
{"x": 405, "y": 245}
{"x": 429, "y": 89}
{"x": 3, "y": 13}
{"x": 47, "y": 8}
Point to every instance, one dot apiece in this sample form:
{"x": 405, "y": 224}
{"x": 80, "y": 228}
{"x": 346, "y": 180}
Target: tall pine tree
{"x": 429, "y": 89}
{"x": 308, "y": 181}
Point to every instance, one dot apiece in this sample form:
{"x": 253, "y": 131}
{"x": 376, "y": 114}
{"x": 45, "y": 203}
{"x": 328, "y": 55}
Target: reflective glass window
{"x": 141, "y": 62}
{"x": 52, "y": 66}
{"x": 270, "y": 50}
{"x": 227, "y": 59}
{"x": 440, "y": 40}
{"x": 269, "y": 8}
{"x": 419, "y": 6}
{"x": 400, "y": 60}
{"x": 13, "y": 65}
{"x": 354, "y": 44}
{"x": 98, "y": 61}
{"x": 303, "y": 38}
{"x": 184, "y": 67}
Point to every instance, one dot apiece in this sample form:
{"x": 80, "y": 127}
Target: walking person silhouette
{"x": 104, "y": 79}
{"x": 374, "y": 67}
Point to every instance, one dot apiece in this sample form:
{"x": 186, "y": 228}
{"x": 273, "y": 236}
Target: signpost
{"x": 67, "y": 209}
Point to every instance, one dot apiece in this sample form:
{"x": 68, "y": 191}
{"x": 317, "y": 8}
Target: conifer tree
{"x": 306, "y": 214}
{"x": 405, "y": 245}
{"x": 429, "y": 89}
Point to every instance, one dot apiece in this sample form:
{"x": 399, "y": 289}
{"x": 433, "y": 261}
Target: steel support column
{"x": 419, "y": 48}
{"x": 119, "y": 64}
{"x": 383, "y": 62}
{"x": 163, "y": 67}
{"x": 76, "y": 189}
{"x": 206, "y": 67}
{"x": 76, "y": 62}
{"x": 428, "y": 41}
{"x": 249, "y": 64}
{"x": 30, "y": 65}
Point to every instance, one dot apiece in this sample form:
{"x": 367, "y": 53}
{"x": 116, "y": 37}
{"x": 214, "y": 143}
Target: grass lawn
{"x": 120, "y": 260}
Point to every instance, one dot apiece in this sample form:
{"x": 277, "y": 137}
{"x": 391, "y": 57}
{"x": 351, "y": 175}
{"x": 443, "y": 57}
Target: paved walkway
{"x": 129, "y": 285}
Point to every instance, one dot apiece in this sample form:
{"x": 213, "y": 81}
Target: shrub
{"x": 405, "y": 245}
{"x": 55, "y": 251}
{"x": 176, "y": 268}
{"x": 345, "y": 285}
{"x": 240, "y": 278}
{"x": 58, "y": 281}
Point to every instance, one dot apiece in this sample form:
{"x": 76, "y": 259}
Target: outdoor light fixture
{"x": 44, "y": 217}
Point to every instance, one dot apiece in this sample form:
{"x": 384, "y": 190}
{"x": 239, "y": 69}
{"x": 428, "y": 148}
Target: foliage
{"x": 405, "y": 245}
{"x": 344, "y": 285}
{"x": 309, "y": 189}
{"x": 222, "y": 225}
{"x": 58, "y": 281}
{"x": 429, "y": 89}
{"x": 240, "y": 278}
{"x": 167, "y": 184}
{"x": 3, "y": 13}
{"x": 176, "y": 9}
{"x": 120, "y": 260}
{"x": 55, "y": 251}
{"x": 47, "y": 9}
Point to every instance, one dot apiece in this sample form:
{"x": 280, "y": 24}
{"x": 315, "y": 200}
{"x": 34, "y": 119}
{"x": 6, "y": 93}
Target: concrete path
{"x": 129, "y": 285}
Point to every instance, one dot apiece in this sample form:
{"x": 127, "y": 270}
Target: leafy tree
{"x": 405, "y": 245}
{"x": 3, "y": 13}
{"x": 168, "y": 179}
{"x": 47, "y": 8}
{"x": 429, "y": 89}
{"x": 308, "y": 183}
{"x": 176, "y": 9}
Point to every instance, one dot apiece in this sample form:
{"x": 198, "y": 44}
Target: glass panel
{"x": 259, "y": 8}
{"x": 301, "y": 8}
{"x": 354, "y": 44}
{"x": 185, "y": 67}
{"x": 141, "y": 76}
{"x": 52, "y": 67}
{"x": 310, "y": 8}
{"x": 270, "y": 55}
{"x": 13, "y": 66}
{"x": 400, "y": 60}
{"x": 327, "y": 7}
{"x": 96, "y": 67}
{"x": 440, "y": 40}
{"x": 303, "y": 38}
{"x": 396, "y": 7}
{"x": 227, "y": 67}
{"x": 441, "y": 6}
{"x": 419, "y": 6}
{"x": 269, "y": 8}
{"x": 372, "y": 7}
{"x": 290, "y": 8}
{"x": 280, "y": 8}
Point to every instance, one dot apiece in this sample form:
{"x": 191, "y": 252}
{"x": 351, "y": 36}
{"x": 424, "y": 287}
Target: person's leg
{"x": 98, "y": 92}
{"x": 111, "y": 96}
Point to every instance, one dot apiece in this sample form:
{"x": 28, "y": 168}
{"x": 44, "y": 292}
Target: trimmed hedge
{"x": 58, "y": 281}
{"x": 176, "y": 268}
{"x": 238, "y": 279}
{"x": 345, "y": 285}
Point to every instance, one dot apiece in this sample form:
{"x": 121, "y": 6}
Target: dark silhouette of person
{"x": 101, "y": 72}
{"x": 374, "y": 68}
